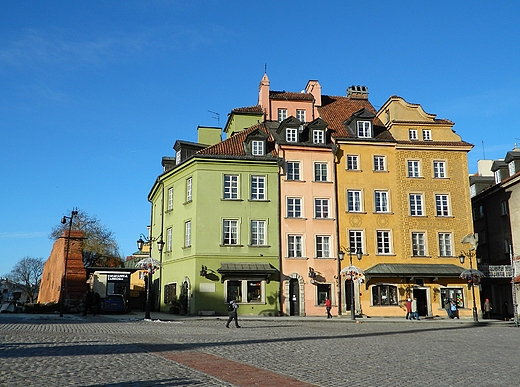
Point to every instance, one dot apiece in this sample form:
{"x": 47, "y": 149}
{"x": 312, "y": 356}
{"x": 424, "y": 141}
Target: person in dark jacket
{"x": 232, "y": 311}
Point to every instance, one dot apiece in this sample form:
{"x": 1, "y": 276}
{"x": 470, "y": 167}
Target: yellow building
{"x": 403, "y": 201}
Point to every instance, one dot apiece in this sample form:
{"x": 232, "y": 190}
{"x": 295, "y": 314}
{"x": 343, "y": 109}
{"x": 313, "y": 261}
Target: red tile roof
{"x": 290, "y": 95}
{"x": 233, "y": 146}
{"x": 335, "y": 110}
{"x": 248, "y": 109}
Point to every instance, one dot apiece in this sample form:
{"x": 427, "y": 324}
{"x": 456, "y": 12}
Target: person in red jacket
{"x": 409, "y": 309}
{"x": 328, "y": 305}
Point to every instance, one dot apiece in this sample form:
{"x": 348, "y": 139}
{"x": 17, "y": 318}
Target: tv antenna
{"x": 216, "y": 116}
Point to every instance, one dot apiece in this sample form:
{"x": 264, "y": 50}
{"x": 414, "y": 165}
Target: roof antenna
{"x": 483, "y": 151}
{"x": 265, "y": 68}
{"x": 216, "y": 117}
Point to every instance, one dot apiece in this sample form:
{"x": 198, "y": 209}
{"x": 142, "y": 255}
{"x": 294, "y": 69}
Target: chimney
{"x": 357, "y": 92}
{"x": 263, "y": 95}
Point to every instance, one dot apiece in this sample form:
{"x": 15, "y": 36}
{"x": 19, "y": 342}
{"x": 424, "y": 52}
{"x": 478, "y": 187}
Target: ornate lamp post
{"x": 472, "y": 277}
{"x": 149, "y": 264}
{"x": 353, "y": 272}
{"x": 64, "y": 277}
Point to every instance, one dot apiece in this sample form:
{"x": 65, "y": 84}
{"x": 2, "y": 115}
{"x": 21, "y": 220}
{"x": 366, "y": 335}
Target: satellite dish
{"x": 472, "y": 239}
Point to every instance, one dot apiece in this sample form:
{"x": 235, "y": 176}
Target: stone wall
{"x": 75, "y": 280}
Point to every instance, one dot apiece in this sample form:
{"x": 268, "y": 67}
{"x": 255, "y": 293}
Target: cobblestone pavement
{"x": 101, "y": 351}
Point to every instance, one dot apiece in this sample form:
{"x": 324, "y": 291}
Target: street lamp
{"x": 472, "y": 277}
{"x": 149, "y": 264}
{"x": 64, "y": 277}
{"x": 352, "y": 272}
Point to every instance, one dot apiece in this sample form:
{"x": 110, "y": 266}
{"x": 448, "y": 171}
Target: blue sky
{"x": 94, "y": 93}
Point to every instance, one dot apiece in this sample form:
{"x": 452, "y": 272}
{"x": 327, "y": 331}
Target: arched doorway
{"x": 294, "y": 297}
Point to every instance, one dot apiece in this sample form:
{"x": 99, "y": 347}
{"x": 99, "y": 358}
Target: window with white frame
{"x": 439, "y": 169}
{"x": 294, "y": 246}
{"x": 384, "y": 242}
{"x": 427, "y": 135}
{"x": 258, "y": 188}
{"x": 189, "y": 192}
{"x": 169, "y": 239}
{"x": 355, "y": 240}
{"x": 364, "y": 129}
{"x": 230, "y": 186}
{"x": 511, "y": 167}
{"x": 418, "y": 244}
{"x": 249, "y": 291}
{"x": 170, "y": 198}
{"x": 178, "y": 157}
{"x": 321, "y": 208}
{"x": 379, "y": 163}
{"x": 258, "y": 232}
{"x": 300, "y": 114}
{"x": 416, "y": 205}
{"x": 187, "y": 233}
{"x": 381, "y": 201}
{"x": 294, "y": 207}
{"x": 318, "y": 137}
{"x": 322, "y": 246}
{"x": 230, "y": 232}
{"x": 445, "y": 244}
{"x": 498, "y": 177}
{"x": 384, "y": 295}
{"x": 414, "y": 168}
{"x": 282, "y": 114}
{"x": 412, "y": 134}
{"x": 354, "y": 201}
{"x": 352, "y": 162}
{"x": 442, "y": 205}
{"x": 291, "y": 135}
{"x": 257, "y": 148}
{"x": 320, "y": 171}
{"x": 293, "y": 170}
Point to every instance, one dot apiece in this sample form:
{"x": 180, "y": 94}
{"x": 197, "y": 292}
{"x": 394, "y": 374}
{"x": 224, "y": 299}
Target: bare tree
{"x": 27, "y": 273}
{"x": 99, "y": 245}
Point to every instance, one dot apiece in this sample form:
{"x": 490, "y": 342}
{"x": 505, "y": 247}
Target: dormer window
{"x": 300, "y": 114}
{"x": 291, "y": 135}
{"x": 412, "y": 134}
{"x": 497, "y": 177}
{"x": 364, "y": 129}
{"x": 512, "y": 169}
{"x": 318, "y": 137}
{"x": 178, "y": 157}
{"x": 257, "y": 148}
{"x": 427, "y": 135}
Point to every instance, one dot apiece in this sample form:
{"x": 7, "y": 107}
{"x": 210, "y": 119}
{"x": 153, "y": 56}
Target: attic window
{"x": 318, "y": 136}
{"x": 178, "y": 157}
{"x": 291, "y": 135}
{"x": 257, "y": 148}
{"x": 364, "y": 129}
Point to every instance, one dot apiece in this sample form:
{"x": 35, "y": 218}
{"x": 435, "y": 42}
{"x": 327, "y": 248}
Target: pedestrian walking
{"x": 487, "y": 309}
{"x": 415, "y": 313}
{"x": 447, "y": 306}
{"x": 328, "y": 306}
{"x": 96, "y": 304}
{"x": 89, "y": 300}
{"x": 454, "y": 313}
{"x": 409, "y": 309}
{"x": 232, "y": 311}
{"x": 505, "y": 311}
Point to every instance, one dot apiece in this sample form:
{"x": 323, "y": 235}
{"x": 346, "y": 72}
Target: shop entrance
{"x": 422, "y": 302}
{"x": 294, "y": 291}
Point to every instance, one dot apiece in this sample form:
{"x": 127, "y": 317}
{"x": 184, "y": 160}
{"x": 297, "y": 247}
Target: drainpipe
{"x": 338, "y": 248}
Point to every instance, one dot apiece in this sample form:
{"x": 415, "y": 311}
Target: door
{"x": 348, "y": 294}
{"x": 422, "y": 302}
{"x": 294, "y": 291}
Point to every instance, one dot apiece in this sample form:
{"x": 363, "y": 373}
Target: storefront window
{"x": 384, "y": 295}
{"x": 323, "y": 293}
{"x": 454, "y": 294}
{"x": 234, "y": 291}
{"x": 254, "y": 291}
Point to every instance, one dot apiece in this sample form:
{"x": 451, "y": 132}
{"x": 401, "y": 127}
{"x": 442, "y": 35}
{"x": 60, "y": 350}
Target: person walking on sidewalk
{"x": 487, "y": 309}
{"x": 409, "y": 309}
{"x": 232, "y": 311}
{"x": 328, "y": 306}
{"x": 415, "y": 313}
